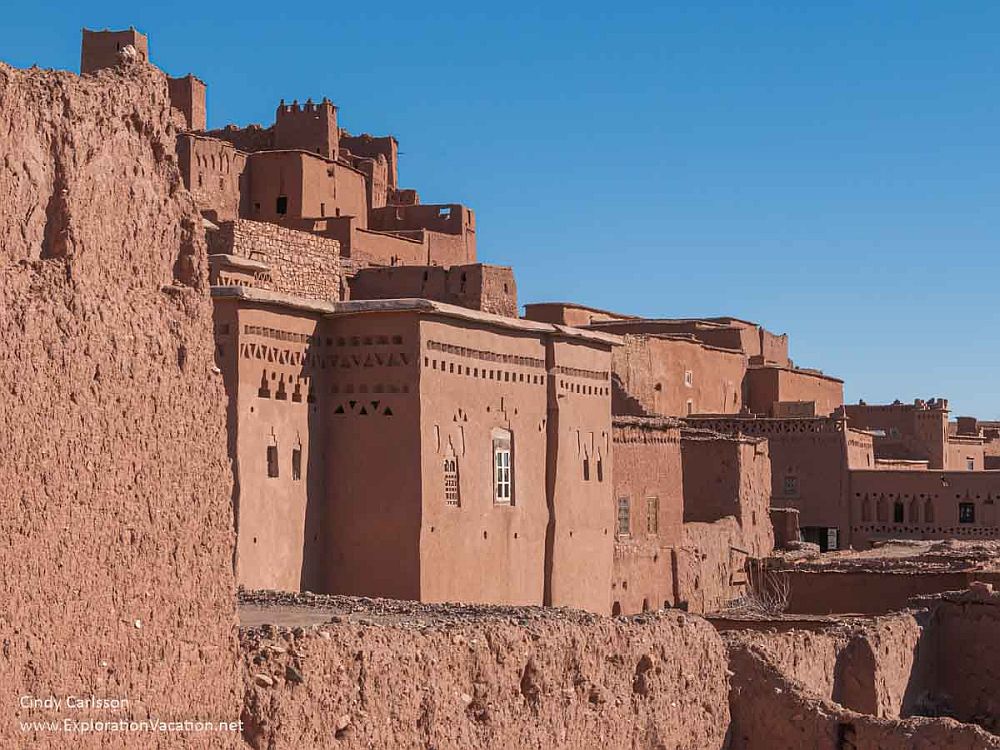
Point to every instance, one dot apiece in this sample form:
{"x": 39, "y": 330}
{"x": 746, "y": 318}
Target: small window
{"x": 690, "y": 407}
{"x": 451, "y": 496}
{"x": 970, "y": 464}
{"x": 296, "y": 463}
{"x": 790, "y": 486}
{"x": 897, "y": 512}
{"x": 894, "y": 433}
{"x": 624, "y": 516}
{"x": 503, "y": 478}
{"x": 281, "y": 205}
{"x": 586, "y": 468}
{"x": 653, "y": 515}
{"x": 688, "y": 378}
{"x": 272, "y": 460}
{"x": 322, "y": 209}
{"x": 966, "y": 512}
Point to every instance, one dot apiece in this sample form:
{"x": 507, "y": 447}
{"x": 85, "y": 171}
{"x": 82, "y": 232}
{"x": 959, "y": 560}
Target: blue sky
{"x": 829, "y": 169}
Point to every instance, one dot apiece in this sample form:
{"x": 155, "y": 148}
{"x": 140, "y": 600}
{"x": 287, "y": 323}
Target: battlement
{"x": 309, "y": 127}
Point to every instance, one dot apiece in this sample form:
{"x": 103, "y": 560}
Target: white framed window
{"x": 688, "y": 379}
{"x": 451, "y": 491}
{"x": 503, "y": 467}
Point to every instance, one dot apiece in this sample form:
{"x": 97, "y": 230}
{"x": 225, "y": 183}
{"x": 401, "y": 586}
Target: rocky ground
{"x": 950, "y": 555}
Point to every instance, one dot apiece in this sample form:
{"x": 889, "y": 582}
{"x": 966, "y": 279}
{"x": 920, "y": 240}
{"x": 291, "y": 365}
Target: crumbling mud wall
{"x": 873, "y": 666}
{"x": 115, "y": 486}
{"x": 535, "y": 681}
{"x": 964, "y": 631}
{"x": 771, "y": 711}
{"x": 869, "y": 683}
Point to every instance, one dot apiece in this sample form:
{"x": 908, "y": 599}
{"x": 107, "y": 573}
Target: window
{"x": 296, "y": 463}
{"x": 322, "y": 209}
{"x": 652, "y": 515}
{"x": 624, "y": 516}
{"x": 894, "y": 433}
{"x": 966, "y": 512}
{"x": 690, "y": 407}
{"x": 970, "y": 464}
{"x": 790, "y": 487}
{"x": 586, "y": 468}
{"x": 281, "y": 205}
{"x": 451, "y": 481}
{"x": 503, "y": 479}
{"x": 897, "y": 512}
{"x": 272, "y": 460}
{"x": 688, "y": 378}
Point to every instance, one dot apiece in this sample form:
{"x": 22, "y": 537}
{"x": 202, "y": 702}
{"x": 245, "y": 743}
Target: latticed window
{"x": 652, "y": 515}
{"x": 624, "y": 516}
{"x": 451, "y": 496}
{"x": 791, "y": 486}
{"x": 503, "y": 475}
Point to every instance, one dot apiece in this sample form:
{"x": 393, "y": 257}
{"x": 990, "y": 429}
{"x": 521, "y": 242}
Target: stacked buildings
{"x": 396, "y": 429}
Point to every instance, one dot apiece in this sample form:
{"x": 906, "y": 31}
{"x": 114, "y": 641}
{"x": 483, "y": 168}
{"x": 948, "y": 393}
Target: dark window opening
{"x": 897, "y": 512}
{"x": 586, "y": 469}
{"x": 281, "y": 205}
{"x": 272, "y": 460}
{"x": 296, "y": 463}
{"x": 322, "y": 209}
{"x": 966, "y": 512}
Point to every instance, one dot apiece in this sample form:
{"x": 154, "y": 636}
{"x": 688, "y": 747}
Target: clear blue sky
{"x": 829, "y": 169}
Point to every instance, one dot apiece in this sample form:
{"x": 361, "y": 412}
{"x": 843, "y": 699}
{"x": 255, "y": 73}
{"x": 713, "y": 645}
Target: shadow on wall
{"x": 900, "y": 681}
{"x": 314, "y": 552}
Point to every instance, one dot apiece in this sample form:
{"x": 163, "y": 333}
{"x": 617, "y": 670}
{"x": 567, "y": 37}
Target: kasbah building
{"x": 396, "y": 429}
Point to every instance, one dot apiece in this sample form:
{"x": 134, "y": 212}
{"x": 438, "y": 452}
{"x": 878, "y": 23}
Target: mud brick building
{"x": 396, "y": 429}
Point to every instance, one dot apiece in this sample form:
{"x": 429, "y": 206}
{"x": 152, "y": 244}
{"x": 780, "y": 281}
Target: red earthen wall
{"x": 928, "y": 501}
{"x": 115, "y": 486}
{"x": 767, "y": 385}
{"x": 676, "y": 377}
{"x": 213, "y": 174}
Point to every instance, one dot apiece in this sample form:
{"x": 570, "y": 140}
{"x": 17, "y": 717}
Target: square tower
{"x": 312, "y": 127}
{"x": 187, "y": 95}
{"x": 101, "y": 49}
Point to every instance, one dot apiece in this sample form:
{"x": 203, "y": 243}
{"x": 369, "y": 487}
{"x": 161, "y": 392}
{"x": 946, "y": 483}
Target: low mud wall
{"x": 568, "y": 682}
{"x": 772, "y": 712}
{"x": 870, "y": 592}
{"x": 964, "y": 631}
